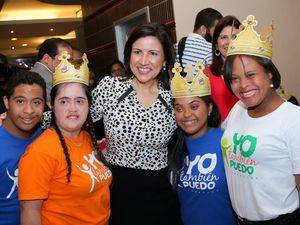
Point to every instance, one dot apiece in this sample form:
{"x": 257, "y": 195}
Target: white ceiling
{"x": 31, "y": 21}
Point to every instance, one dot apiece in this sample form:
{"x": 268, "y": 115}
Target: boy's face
{"x": 24, "y": 110}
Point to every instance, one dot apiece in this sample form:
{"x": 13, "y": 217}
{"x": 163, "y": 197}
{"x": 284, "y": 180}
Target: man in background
{"x": 197, "y": 45}
{"x": 47, "y": 60}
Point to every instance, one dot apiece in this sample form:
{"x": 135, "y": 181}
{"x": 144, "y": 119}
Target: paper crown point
{"x": 249, "y": 42}
{"x": 191, "y": 85}
{"x": 66, "y": 71}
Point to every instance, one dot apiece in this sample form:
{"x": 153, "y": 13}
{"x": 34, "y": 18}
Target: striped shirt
{"x": 196, "y": 49}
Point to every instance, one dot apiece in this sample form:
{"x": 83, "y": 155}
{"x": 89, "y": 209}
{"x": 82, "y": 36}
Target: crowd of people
{"x": 195, "y": 133}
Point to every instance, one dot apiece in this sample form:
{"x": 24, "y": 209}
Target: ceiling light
{"x": 14, "y": 39}
{"x": 24, "y": 45}
{"x": 11, "y": 31}
{"x": 51, "y": 29}
{"x": 12, "y": 47}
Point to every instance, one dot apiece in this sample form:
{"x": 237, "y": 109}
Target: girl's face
{"x": 224, "y": 38}
{"x": 71, "y": 108}
{"x": 191, "y": 115}
{"x": 147, "y": 59}
{"x": 250, "y": 82}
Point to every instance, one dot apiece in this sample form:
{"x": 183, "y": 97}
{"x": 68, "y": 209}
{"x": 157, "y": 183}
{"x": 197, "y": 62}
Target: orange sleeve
{"x": 36, "y": 169}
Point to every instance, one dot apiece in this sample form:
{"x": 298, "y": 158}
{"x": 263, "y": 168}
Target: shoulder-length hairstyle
{"x": 217, "y": 61}
{"x": 163, "y": 34}
{"x": 88, "y": 126}
{"x": 177, "y": 150}
{"x": 267, "y": 64}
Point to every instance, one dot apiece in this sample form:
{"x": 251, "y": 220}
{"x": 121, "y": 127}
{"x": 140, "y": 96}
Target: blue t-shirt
{"x": 11, "y": 149}
{"x": 202, "y": 189}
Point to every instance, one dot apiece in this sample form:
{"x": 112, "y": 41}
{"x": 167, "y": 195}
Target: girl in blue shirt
{"x": 195, "y": 158}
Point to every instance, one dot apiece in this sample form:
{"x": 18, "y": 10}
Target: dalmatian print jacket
{"x": 137, "y": 136}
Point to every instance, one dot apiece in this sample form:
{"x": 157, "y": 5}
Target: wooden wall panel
{"x": 99, "y": 16}
{"x": 90, "y": 27}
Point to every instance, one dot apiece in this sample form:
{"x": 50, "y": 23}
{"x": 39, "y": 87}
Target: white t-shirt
{"x": 261, "y": 156}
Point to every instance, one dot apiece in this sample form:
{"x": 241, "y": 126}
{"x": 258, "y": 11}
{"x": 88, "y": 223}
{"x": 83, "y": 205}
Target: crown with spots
{"x": 191, "y": 85}
{"x": 283, "y": 93}
{"x": 66, "y": 72}
{"x": 249, "y": 42}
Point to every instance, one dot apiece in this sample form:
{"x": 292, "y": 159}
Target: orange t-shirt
{"x": 42, "y": 175}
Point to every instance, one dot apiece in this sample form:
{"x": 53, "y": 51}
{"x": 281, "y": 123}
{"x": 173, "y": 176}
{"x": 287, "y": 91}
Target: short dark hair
{"x": 267, "y": 64}
{"x": 217, "y": 62}
{"x": 50, "y": 47}
{"x": 206, "y": 17}
{"x": 163, "y": 34}
{"x": 20, "y": 77}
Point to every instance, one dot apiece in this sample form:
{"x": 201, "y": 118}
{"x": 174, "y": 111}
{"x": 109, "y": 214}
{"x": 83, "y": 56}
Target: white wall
{"x": 286, "y": 16}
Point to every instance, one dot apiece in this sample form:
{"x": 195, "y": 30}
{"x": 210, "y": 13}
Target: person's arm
{"x": 31, "y": 212}
{"x": 102, "y": 92}
{"x": 297, "y": 177}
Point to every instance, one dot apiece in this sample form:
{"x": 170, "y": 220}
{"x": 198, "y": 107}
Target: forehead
{"x": 116, "y": 66}
{"x": 228, "y": 30}
{"x": 149, "y": 42}
{"x": 29, "y": 91}
{"x": 188, "y": 100}
{"x": 245, "y": 63}
{"x": 71, "y": 90}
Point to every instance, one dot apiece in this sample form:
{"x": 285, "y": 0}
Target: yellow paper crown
{"x": 192, "y": 85}
{"x": 249, "y": 42}
{"x": 283, "y": 93}
{"x": 66, "y": 72}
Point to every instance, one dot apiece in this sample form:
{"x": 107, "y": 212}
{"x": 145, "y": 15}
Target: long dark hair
{"x": 217, "y": 62}
{"x": 177, "y": 150}
{"x": 163, "y": 34}
{"x": 89, "y": 127}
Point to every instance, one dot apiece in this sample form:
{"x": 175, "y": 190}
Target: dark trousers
{"x": 142, "y": 197}
{"x": 286, "y": 219}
